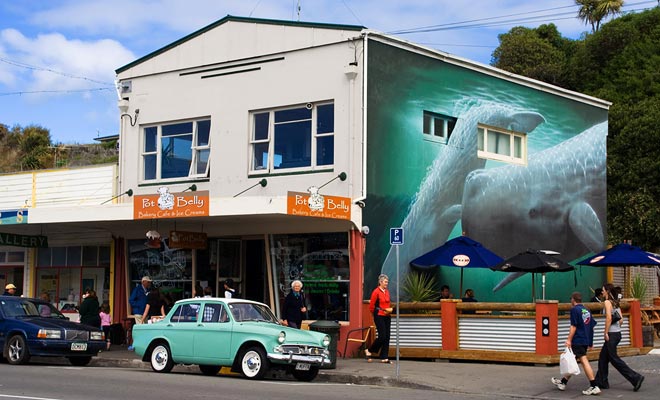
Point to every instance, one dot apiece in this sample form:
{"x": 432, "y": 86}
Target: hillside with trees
{"x": 619, "y": 62}
{"x": 31, "y": 148}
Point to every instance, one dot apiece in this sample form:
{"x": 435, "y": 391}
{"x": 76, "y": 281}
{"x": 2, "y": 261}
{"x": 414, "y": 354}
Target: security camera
{"x": 309, "y": 106}
{"x": 365, "y": 230}
{"x": 360, "y": 203}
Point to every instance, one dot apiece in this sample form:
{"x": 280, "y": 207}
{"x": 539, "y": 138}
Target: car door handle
{"x": 200, "y": 324}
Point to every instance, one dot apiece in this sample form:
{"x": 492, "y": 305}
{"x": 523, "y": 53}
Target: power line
{"x": 538, "y": 18}
{"x": 54, "y": 91}
{"x": 36, "y": 68}
{"x": 351, "y": 11}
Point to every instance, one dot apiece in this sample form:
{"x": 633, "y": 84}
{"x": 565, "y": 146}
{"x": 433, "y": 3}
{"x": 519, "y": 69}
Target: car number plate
{"x": 302, "y": 367}
{"x": 78, "y": 346}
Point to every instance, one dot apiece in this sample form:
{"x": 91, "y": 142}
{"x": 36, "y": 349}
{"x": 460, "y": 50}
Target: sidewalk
{"x": 487, "y": 379}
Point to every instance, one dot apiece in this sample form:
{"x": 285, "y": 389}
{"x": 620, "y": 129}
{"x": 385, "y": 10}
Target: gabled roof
{"x": 230, "y": 18}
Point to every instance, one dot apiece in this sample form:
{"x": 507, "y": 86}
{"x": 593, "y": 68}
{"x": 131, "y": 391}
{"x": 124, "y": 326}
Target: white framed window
{"x": 437, "y": 127}
{"x": 502, "y": 145}
{"x": 294, "y": 138}
{"x": 176, "y": 150}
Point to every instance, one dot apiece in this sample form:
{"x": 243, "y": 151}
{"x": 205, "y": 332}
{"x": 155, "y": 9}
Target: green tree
{"x": 34, "y": 145}
{"x": 539, "y": 53}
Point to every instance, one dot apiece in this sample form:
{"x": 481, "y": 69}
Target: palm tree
{"x": 592, "y": 12}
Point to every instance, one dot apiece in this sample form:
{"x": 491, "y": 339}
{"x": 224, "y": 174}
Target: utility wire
{"x": 35, "y": 68}
{"x": 538, "y": 18}
{"x": 54, "y": 91}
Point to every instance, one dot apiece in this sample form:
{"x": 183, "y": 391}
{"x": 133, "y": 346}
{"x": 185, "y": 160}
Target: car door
{"x": 212, "y": 337}
{"x": 180, "y": 329}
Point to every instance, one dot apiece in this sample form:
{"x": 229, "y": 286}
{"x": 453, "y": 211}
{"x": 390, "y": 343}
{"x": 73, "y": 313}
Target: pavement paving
{"x": 491, "y": 380}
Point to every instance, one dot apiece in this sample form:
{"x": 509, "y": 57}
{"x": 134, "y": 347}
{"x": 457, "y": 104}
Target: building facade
{"x": 269, "y": 151}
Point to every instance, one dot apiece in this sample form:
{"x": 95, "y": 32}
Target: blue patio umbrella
{"x": 461, "y": 252}
{"x": 622, "y": 254}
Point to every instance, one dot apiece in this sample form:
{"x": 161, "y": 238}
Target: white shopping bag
{"x": 568, "y": 364}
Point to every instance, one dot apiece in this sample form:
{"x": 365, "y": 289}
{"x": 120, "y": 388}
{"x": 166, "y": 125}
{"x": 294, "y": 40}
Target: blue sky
{"x": 58, "y": 57}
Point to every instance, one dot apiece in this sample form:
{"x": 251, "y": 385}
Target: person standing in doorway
{"x": 612, "y": 335}
{"x": 294, "y": 308}
{"x": 580, "y": 339}
{"x": 380, "y": 307}
{"x": 229, "y": 288}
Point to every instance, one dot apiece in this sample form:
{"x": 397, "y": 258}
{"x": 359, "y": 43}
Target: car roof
{"x": 223, "y": 299}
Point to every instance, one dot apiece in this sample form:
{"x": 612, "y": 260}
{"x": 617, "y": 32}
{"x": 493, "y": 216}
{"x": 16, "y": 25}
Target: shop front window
{"x": 321, "y": 262}
{"x": 169, "y": 269}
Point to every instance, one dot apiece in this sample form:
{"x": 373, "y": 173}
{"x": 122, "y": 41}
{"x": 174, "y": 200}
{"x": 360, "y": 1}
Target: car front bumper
{"x": 62, "y": 348}
{"x": 300, "y": 358}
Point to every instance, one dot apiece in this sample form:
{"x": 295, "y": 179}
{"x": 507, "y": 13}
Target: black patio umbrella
{"x": 534, "y": 261}
{"x": 461, "y": 252}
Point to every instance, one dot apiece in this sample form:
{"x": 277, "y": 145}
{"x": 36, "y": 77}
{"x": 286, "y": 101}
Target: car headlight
{"x": 281, "y": 338}
{"x": 95, "y": 335}
{"x": 49, "y": 334}
{"x": 326, "y": 341}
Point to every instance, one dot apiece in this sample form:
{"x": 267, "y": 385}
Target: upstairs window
{"x": 176, "y": 150}
{"x": 438, "y": 127}
{"x": 298, "y": 138}
{"x": 502, "y": 145}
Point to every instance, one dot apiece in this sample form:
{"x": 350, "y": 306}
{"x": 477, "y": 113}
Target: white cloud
{"x": 55, "y": 62}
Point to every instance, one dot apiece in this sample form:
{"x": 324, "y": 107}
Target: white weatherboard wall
{"x": 307, "y": 75}
{"x": 58, "y": 188}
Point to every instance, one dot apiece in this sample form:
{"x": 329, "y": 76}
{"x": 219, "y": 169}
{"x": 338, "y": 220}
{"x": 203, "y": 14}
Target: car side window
{"x": 186, "y": 313}
{"x": 214, "y": 313}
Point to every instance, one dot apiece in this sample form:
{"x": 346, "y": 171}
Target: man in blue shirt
{"x": 580, "y": 339}
{"x": 138, "y": 299}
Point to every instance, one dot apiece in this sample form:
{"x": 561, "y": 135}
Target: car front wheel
{"x": 161, "y": 358}
{"x": 254, "y": 363}
{"x": 17, "y": 351}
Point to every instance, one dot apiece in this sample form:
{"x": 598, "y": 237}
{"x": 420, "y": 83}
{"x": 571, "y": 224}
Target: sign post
{"x": 396, "y": 239}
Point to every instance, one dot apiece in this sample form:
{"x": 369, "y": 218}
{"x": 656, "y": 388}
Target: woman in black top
{"x": 89, "y": 309}
{"x": 294, "y": 306}
{"x": 154, "y": 307}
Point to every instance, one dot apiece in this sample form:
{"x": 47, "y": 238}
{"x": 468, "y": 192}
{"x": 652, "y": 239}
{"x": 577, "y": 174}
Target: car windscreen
{"x": 27, "y": 308}
{"x": 251, "y": 312}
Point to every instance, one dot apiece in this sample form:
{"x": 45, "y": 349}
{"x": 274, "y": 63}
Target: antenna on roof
{"x": 299, "y": 7}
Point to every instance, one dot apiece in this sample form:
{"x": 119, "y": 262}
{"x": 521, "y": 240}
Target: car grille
{"x": 307, "y": 350}
{"x": 76, "y": 335}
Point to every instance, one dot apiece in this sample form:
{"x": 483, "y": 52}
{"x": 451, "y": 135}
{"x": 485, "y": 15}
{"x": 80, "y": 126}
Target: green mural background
{"x": 400, "y": 86}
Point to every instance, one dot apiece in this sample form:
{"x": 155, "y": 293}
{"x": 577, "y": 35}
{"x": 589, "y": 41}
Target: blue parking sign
{"x": 396, "y": 236}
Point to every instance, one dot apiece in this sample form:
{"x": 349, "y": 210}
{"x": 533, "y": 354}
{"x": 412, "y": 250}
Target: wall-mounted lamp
{"x": 123, "y": 108}
{"x": 341, "y": 177}
{"x": 192, "y": 188}
{"x": 262, "y": 182}
{"x": 129, "y": 192}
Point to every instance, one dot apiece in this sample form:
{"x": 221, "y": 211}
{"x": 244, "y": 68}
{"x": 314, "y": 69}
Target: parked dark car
{"x": 33, "y": 327}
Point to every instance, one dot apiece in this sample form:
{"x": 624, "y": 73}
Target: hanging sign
{"x": 314, "y": 204}
{"x": 171, "y": 205}
{"x": 187, "y": 240}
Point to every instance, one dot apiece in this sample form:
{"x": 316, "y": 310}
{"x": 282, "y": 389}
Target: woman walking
{"x": 379, "y": 305}
{"x": 608, "y": 354}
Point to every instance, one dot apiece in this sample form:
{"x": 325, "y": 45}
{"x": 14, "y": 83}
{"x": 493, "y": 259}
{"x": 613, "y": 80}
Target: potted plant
{"x": 420, "y": 287}
{"x": 637, "y": 289}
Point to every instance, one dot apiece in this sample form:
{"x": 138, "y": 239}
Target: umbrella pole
{"x": 533, "y": 287}
{"x": 543, "y": 284}
{"x": 460, "y": 293}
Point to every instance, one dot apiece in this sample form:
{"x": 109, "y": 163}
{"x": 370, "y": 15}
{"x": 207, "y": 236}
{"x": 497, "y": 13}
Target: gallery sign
{"x": 187, "y": 240}
{"x": 12, "y": 217}
{"x": 313, "y": 204}
{"x": 171, "y": 205}
{"x": 11, "y": 239}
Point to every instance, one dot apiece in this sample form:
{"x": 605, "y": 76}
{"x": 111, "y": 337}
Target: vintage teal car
{"x": 241, "y": 334}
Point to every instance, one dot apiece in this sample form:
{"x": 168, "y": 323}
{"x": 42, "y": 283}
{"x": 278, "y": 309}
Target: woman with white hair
{"x": 380, "y": 307}
{"x": 294, "y": 308}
